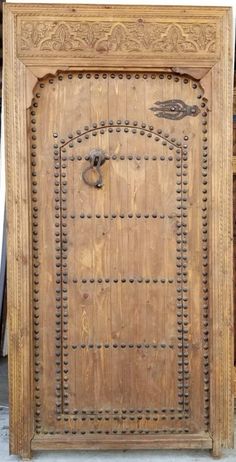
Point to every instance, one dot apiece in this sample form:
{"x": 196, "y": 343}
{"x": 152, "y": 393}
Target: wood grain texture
{"x": 221, "y": 219}
{"x": 234, "y": 228}
{"x": 19, "y": 253}
{"x": 101, "y": 39}
{"x": 164, "y": 442}
{"x": 120, "y": 306}
{"x": 234, "y": 237}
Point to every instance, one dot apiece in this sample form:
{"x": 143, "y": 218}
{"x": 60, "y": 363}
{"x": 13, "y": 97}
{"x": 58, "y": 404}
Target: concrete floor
{"x": 94, "y": 456}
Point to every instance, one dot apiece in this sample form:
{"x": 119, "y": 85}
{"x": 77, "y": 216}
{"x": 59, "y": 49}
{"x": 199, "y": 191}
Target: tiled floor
{"x": 95, "y": 456}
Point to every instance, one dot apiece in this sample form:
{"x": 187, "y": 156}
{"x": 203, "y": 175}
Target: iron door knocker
{"x": 97, "y": 159}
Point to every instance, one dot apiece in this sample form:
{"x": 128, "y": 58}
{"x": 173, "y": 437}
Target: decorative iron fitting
{"x": 174, "y": 109}
{"x": 97, "y": 159}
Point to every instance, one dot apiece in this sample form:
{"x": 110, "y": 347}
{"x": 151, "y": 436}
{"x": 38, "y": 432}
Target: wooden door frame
{"x": 32, "y": 50}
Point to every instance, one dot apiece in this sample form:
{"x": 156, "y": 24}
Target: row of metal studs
{"x": 118, "y": 432}
{"x": 110, "y": 123}
{"x": 123, "y": 411}
{"x": 119, "y": 126}
{"x": 64, "y": 254}
{"x": 122, "y": 215}
{"x": 35, "y": 259}
{"x": 119, "y": 418}
{"x": 62, "y": 248}
{"x": 204, "y": 115}
{"x": 117, "y": 280}
{"x": 182, "y": 307}
{"x": 121, "y": 157}
{"x": 120, "y": 76}
{"x": 121, "y": 345}
{"x": 58, "y": 276}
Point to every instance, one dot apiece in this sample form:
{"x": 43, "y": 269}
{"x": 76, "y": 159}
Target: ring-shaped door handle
{"x": 96, "y": 159}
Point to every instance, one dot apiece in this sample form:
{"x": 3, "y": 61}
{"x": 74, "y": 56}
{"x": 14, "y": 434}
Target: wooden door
{"x": 120, "y": 272}
{"x": 121, "y": 171}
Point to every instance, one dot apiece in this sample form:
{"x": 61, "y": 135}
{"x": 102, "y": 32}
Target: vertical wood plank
{"x": 221, "y": 261}
{"x": 19, "y": 247}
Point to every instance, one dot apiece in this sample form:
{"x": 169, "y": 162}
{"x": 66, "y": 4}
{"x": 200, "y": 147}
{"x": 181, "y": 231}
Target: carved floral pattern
{"x": 108, "y": 38}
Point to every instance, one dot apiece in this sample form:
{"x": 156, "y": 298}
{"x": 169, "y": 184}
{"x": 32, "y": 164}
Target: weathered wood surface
{"x": 122, "y": 337}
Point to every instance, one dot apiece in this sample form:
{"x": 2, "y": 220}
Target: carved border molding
{"x": 96, "y": 38}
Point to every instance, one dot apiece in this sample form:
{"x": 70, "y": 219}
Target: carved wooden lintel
{"x": 109, "y": 37}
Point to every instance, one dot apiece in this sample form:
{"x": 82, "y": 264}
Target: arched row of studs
{"x": 205, "y": 308}
{"x": 181, "y": 155}
{"x": 118, "y": 126}
{"x": 122, "y": 215}
{"x": 125, "y": 75}
{"x": 120, "y": 76}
